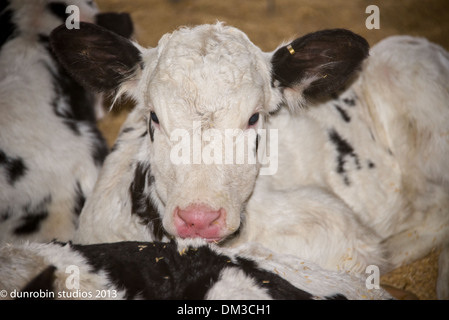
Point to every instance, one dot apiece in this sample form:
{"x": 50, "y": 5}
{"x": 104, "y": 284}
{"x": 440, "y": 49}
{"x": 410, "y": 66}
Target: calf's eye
{"x": 253, "y": 120}
{"x": 154, "y": 117}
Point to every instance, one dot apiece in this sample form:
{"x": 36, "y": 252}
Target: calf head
{"x": 197, "y": 89}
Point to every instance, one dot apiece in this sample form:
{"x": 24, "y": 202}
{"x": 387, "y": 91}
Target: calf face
{"x": 198, "y": 89}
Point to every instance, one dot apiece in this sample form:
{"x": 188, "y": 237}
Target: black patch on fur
{"x": 344, "y": 115}
{"x": 75, "y": 106}
{"x": 80, "y": 199}
{"x": 43, "y": 282}
{"x": 100, "y": 148}
{"x": 277, "y": 287}
{"x": 31, "y": 223}
{"x": 72, "y": 103}
{"x": 8, "y": 28}
{"x": 33, "y": 218}
{"x": 156, "y": 270}
{"x": 159, "y": 271}
{"x": 350, "y": 102}
{"x": 141, "y": 202}
{"x": 58, "y": 10}
{"x": 345, "y": 151}
{"x": 15, "y": 168}
{"x": 371, "y": 164}
{"x": 5, "y": 215}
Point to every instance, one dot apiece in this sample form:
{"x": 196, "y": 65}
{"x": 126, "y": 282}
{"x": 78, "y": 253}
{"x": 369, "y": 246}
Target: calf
{"x": 156, "y": 270}
{"x": 50, "y": 148}
{"x": 351, "y": 151}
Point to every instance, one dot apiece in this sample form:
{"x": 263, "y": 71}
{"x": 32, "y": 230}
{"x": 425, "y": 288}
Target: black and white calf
{"x": 50, "y": 148}
{"x": 358, "y": 174}
{"x": 190, "y": 269}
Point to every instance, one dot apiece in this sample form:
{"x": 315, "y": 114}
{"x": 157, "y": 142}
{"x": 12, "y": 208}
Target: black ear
{"x": 319, "y": 63}
{"x": 94, "y": 56}
{"x": 120, "y": 23}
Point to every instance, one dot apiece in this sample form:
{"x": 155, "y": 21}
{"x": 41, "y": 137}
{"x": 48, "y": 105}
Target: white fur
{"x": 21, "y": 263}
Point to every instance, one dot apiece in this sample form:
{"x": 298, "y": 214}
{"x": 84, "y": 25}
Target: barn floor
{"x": 270, "y": 22}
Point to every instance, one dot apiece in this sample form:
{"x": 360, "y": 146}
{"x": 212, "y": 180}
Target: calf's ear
{"x": 317, "y": 64}
{"x": 119, "y": 23}
{"x": 95, "y": 56}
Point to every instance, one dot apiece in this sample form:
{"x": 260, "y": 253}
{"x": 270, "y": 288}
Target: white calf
{"x": 190, "y": 269}
{"x": 362, "y": 175}
{"x": 50, "y": 147}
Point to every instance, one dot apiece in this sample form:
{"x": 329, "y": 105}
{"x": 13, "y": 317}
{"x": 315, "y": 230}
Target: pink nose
{"x": 199, "y": 220}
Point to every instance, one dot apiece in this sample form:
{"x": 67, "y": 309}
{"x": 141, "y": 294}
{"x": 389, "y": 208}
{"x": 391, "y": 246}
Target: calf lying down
{"x": 50, "y": 147}
{"x": 189, "y": 269}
